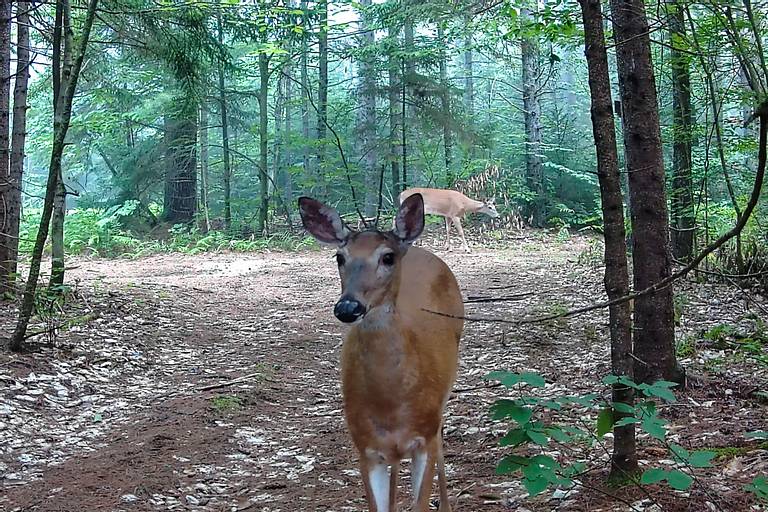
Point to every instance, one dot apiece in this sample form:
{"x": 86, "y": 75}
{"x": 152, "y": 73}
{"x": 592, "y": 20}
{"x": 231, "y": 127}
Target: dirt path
{"x": 114, "y": 417}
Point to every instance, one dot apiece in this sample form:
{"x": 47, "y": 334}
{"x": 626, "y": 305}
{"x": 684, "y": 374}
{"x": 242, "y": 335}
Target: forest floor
{"x": 119, "y": 412}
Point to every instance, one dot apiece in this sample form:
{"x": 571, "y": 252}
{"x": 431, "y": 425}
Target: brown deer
{"x": 452, "y": 205}
{"x": 398, "y": 361}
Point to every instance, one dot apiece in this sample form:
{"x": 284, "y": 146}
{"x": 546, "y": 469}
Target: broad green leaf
{"x": 537, "y": 437}
{"x": 514, "y": 437}
{"x": 701, "y": 459}
{"x": 558, "y": 435}
{"x": 679, "y": 452}
{"x": 535, "y": 486}
{"x": 758, "y": 434}
{"x": 510, "y": 464}
{"x": 759, "y": 487}
{"x": 533, "y": 379}
{"x": 626, "y": 421}
{"x": 679, "y": 480}
{"x": 654, "y": 427}
{"x": 653, "y": 475}
{"x": 604, "y": 422}
{"x": 623, "y": 408}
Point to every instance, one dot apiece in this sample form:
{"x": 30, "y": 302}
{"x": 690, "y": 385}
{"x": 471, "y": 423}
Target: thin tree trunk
{"x": 204, "y": 165}
{"x": 261, "y": 226}
{"x": 654, "y": 340}
{"x": 469, "y": 71}
{"x": 367, "y": 117}
{"x": 529, "y": 48}
{"x": 409, "y": 105}
{"x": 12, "y": 200}
{"x": 7, "y": 254}
{"x": 60, "y": 198}
{"x": 61, "y": 124}
{"x": 322, "y": 93}
{"x": 445, "y": 106}
{"x": 309, "y": 173}
{"x": 624, "y": 459}
{"x": 395, "y": 118}
{"x": 682, "y": 209}
{"x": 277, "y": 144}
{"x": 287, "y": 147}
{"x": 227, "y": 175}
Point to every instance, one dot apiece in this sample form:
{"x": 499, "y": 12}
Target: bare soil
{"x": 114, "y": 414}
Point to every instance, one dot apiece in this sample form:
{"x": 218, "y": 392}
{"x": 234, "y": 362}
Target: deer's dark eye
{"x": 388, "y": 259}
{"x": 340, "y": 259}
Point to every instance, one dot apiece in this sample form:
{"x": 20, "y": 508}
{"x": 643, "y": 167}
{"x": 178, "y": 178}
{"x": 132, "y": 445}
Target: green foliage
{"x": 99, "y": 232}
{"x": 226, "y": 403}
{"x": 759, "y": 487}
{"x": 539, "y": 422}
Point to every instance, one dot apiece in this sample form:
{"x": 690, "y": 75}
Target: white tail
{"x": 452, "y": 205}
{"x": 399, "y": 362}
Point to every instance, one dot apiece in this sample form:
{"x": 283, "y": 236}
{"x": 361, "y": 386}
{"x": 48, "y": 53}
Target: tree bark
{"x": 11, "y": 178}
{"x": 227, "y": 174}
{"x": 367, "y": 116}
{"x": 306, "y": 161}
{"x": 261, "y": 226}
{"x": 180, "y": 202}
{"x": 529, "y": 48}
{"x": 624, "y": 458}
{"x": 287, "y": 180}
{"x": 654, "y": 340}
{"x": 682, "y": 208}
{"x": 204, "y": 165}
{"x": 395, "y": 118}
{"x": 322, "y": 93}
{"x": 409, "y": 108}
{"x": 445, "y": 107}
{"x": 61, "y": 124}
{"x": 62, "y": 76}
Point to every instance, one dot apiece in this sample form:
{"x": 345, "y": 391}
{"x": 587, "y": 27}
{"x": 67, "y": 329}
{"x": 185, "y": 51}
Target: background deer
{"x": 398, "y": 362}
{"x": 452, "y": 205}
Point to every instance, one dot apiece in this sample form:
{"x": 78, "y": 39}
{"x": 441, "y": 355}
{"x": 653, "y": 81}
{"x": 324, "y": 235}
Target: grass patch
{"x": 726, "y": 453}
{"x": 225, "y": 404}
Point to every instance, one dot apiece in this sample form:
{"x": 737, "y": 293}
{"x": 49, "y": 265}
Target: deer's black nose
{"x": 348, "y": 310}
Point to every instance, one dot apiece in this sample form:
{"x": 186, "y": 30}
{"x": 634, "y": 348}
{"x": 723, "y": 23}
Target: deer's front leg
{"x": 374, "y": 470}
{"x": 447, "y": 233}
{"x": 457, "y": 221}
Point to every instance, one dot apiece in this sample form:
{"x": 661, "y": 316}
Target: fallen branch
{"x": 480, "y": 299}
{"x": 232, "y": 382}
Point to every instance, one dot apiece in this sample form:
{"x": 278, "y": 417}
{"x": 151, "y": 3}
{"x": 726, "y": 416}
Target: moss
{"x": 725, "y": 453}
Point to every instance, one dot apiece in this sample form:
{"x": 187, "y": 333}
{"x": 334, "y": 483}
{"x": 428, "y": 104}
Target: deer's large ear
{"x": 322, "y": 222}
{"x": 409, "y": 222}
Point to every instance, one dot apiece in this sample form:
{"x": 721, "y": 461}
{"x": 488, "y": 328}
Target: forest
{"x": 173, "y": 174}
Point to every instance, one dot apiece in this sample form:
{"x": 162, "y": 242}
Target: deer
{"x": 452, "y": 205}
{"x": 399, "y": 359}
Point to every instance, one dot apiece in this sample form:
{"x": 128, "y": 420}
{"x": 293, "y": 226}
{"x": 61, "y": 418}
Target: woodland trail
{"x": 115, "y": 417}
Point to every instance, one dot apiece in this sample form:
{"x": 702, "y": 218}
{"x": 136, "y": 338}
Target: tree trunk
{"x": 624, "y": 459}
{"x": 469, "y": 78}
{"x": 62, "y": 73}
{"x": 682, "y": 229}
{"x": 395, "y": 119}
{"x": 322, "y": 93}
{"x": 307, "y": 163}
{"x": 654, "y": 342}
{"x": 277, "y": 143}
{"x": 287, "y": 147}
{"x": 367, "y": 116}
{"x": 11, "y": 176}
{"x": 409, "y": 106}
{"x": 61, "y": 121}
{"x": 204, "y": 164}
{"x": 227, "y": 175}
{"x": 261, "y": 226}
{"x": 445, "y": 107}
{"x": 529, "y": 48}
{"x": 181, "y": 167}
